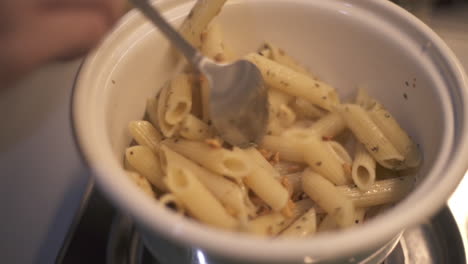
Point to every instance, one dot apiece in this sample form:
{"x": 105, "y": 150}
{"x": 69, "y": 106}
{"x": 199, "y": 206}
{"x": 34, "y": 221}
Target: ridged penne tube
{"x": 205, "y": 98}
{"x": 199, "y": 18}
{"x": 267, "y": 188}
{"x": 142, "y": 183}
{"x": 359, "y": 215}
{"x": 341, "y": 153}
{"x": 363, "y": 169}
{"x": 213, "y": 46}
{"x": 146, "y": 163}
{"x": 289, "y": 81}
{"x": 274, "y": 223}
{"x": 288, "y": 149}
{"x": 168, "y": 130}
{"x": 280, "y": 56}
{"x": 396, "y": 135}
{"x": 367, "y": 132}
{"x": 145, "y": 134}
{"x": 328, "y": 197}
{"x": 328, "y": 224}
{"x": 260, "y": 160}
{"x": 197, "y": 199}
{"x": 232, "y": 164}
{"x": 304, "y": 226}
{"x": 170, "y": 201}
{"x": 152, "y": 110}
{"x": 265, "y": 185}
{"x": 281, "y": 116}
{"x": 329, "y": 126}
{"x": 194, "y": 129}
{"x": 294, "y": 180}
{"x": 319, "y": 155}
{"x": 179, "y": 99}
{"x": 363, "y": 99}
{"x": 229, "y": 193}
{"x": 381, "y": 192}
{"x": 306, "y": 110}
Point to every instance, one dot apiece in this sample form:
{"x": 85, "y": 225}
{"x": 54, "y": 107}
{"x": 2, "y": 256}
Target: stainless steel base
{"x": 436, "y": 242}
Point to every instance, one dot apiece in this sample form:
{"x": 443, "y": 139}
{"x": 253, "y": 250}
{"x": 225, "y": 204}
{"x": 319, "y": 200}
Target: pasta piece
{"x": 341, "y": 153}
{"x": 306, "y": 110}
{"x": 328, "y": 224}
{"x": 359, "y": 216}
{"x": 260, "y": 160}
{"x": 145, "y": 134}
{"x": 280, "y": 115}
{"x": 329, "y": 126}
{"x": 319, "y": 155}
{"x": 194, "y": 129}
{"x": 294, "y": 83}
{"x": 167, "y": 129}
{"x": 230, "y": 194}
{"x": 197, "y": 199}
{"x": 264, "y": 184}
{"x": 304, "y": 226}
{"x": 364, "y": 100}
{"x": 274, "y": 223}
{"x": 363, "y": 171}
{"x": 288, "y": 167}
{"x": 179, "y": 100}
{"x": 146, "y": 163}
{"x": 233, "y": 164}
{"x": 152, "y": 110}
{"x": 142, "y": 183}
{"x": 205, "y": 97}
{"x": 199, "y": 18}
{"x": 365, "y": 130}
{"x": 328, "y": 197}
{"x": 295, "y": 182}
{"x": 282, "y": 58}
{"x": 170, "y": 201}
{"x": 381, "y": 192}
{"x": 213, "y": 46}
{"x": 396, "y": 135}
{"x": 288, "y": 149}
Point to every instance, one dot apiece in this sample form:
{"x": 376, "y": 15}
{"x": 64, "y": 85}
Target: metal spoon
{"x": 238, "y": 98}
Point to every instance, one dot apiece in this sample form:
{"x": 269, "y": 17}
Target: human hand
{"x": 34, "y": 32}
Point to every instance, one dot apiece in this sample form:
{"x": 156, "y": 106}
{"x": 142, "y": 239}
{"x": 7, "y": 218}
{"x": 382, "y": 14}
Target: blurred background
{"x": 50, "y": 210}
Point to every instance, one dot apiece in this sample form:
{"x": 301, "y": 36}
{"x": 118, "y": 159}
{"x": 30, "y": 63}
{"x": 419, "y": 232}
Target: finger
{"x": 52, "y": 35}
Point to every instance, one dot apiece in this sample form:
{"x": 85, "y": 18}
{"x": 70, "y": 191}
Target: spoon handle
{"x": 182, "y": 45}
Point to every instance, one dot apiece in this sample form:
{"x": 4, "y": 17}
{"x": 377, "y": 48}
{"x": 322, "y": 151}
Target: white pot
{"x": 346, "y": 43}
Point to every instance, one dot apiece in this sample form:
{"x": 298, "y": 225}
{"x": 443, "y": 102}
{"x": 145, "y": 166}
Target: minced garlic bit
{"x": 213, "y": 142}
{"x": 347, "y": 168}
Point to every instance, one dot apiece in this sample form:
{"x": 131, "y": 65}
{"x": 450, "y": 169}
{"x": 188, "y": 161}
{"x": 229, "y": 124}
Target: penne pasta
{"x": 194, "y": 129}
{"x": 257, "y": 158}
{"x": 233, "y": 164}
{"x": 199, "y": 18}
{"x": 304, "y": 226}
{"x": 319, "y": 155}
{"x": 366, "y": 132}
{"x": 289, "y": 81}
{"x": 328, "y": 224}
{"x": 145, "y": 134}
{"x": 359, "y": 215}
{"x": 288, "y": 149}
{"x": 179, "y": 99}
{"x": 213, "y": 46}
{"x": 396, "y": 135}
{"x": 328, "y": 197}
{"x": 142, "y": 183}
{"x": 227, "y": 192}
{"x": 146, "y": 163}
{"x": 363, "y": 170}
{"x": 167, "y": 129}
{"x": 197, "y": 199}
{"x": 306, "y": 110}
{"x": 381, "y": 192}
{"x": 329, "y": 126}
{"x": 279, "y": 55}
{"x": 169, "y": 200}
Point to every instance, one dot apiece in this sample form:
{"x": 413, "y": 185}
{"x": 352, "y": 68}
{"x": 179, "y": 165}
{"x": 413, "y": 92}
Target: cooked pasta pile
{"x": 323, "y": 165}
